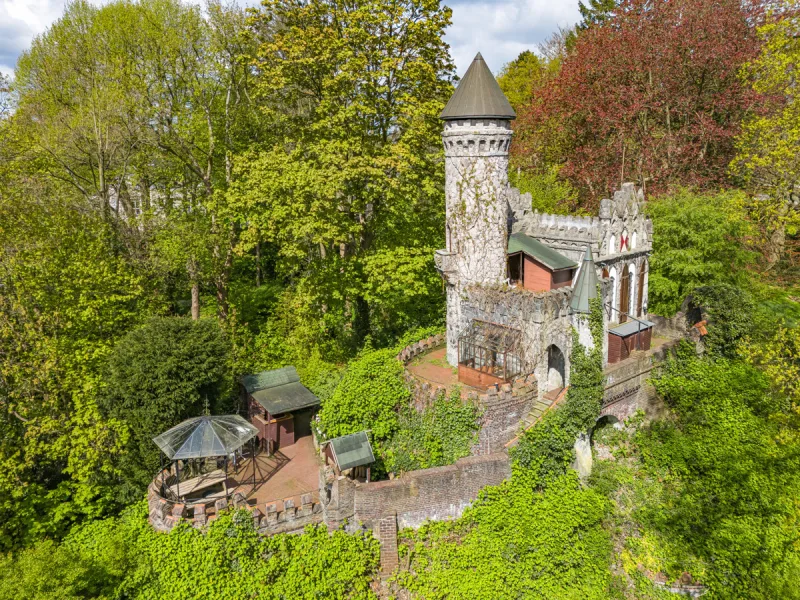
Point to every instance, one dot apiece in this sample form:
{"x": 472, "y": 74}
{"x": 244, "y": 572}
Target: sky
{"x": 498, "y": 29}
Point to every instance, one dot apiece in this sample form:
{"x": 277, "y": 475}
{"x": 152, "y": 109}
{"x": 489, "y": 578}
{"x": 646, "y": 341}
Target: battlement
{"x": 569, "y": 227}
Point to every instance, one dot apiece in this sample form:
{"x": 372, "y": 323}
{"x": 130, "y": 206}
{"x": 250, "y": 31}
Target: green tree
{"x": 596, "y": 12}
{"x": 730, "y": 464}
{"x": 698, "y": 239}
{"x": 767, "y": 158}
{"x": 351, "y": 168}
{"x": 68, "y": 295}
{"x": 74, "y": 103}
{"x": 729, "y": 311}
{"x": 158, "y": 375}
{"x": 369, "y": 396}
{"x": 520, "y": 78}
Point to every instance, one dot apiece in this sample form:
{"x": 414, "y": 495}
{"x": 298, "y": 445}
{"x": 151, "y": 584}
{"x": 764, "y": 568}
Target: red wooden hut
{"x": 279, "y": 406}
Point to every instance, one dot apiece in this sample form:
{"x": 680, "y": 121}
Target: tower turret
{"x": 477, "y": 135}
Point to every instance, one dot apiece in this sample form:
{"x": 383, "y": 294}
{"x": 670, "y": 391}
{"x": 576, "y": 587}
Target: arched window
{"x": 631, "y": 307}
{"x": 624, "y": 242}
{"x": 612, "y": 244}
{"x": 633, "y": 241}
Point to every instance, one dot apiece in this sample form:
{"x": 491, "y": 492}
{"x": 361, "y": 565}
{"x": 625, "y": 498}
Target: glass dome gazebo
{"x": 196, "y": 440}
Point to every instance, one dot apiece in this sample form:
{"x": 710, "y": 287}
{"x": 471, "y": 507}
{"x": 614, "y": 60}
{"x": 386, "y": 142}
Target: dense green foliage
{"x": 367, "y": 397}
{"x": 710, "y": 493}
{"x": 514, "y": 542}
{"x": 124, "y": 558}
{"x": 729, "y": 311}
{"x": 166, "y": 371}
{"x": 505, "y": 545}
{"x": 277, "y": 178}
{"x": 698, "y": 239}
{"x": 439, "y": 435}
{"x": 67, "y": 296}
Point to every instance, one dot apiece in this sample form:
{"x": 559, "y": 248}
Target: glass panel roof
{"x": 204, "y": 437}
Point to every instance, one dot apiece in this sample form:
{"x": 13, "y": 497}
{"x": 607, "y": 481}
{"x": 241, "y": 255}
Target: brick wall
{"x": 437, "y": 494}
{"x": 628, "y": 389}
{"x": 504, "y": 407}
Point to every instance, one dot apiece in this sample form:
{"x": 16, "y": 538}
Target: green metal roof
{"x": 631, "y": 327}
{"x": 519, "y": 242}
{"x": 268, "y": 379}
{"x": 285, "y": 398}
{"x": 279, "y": 391}
{"x": 586, "y": 286}
{"x": 478, "y": 96}
{"x": 352, "y": 450}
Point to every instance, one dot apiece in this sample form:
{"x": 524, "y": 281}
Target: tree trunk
{"x": 195, "y": 301}
{"x": 191, "y": 267}
{"x": 776, "y": 243}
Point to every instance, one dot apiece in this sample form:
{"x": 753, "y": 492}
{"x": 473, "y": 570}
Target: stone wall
{"x": 544, "y": 319}
{"x": 504, "y": 407}
{"x": 278, "y": 516}
{"x": 437, "y": 494}
{"x": 627, "y": 387}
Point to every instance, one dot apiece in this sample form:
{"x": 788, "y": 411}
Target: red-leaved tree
{"x": 652, "y": 95}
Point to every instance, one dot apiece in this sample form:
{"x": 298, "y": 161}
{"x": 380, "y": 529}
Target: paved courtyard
{"x": 291, "y": 472}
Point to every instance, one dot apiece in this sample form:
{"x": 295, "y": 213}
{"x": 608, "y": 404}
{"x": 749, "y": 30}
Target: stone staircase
{"x": 541, "y": 406}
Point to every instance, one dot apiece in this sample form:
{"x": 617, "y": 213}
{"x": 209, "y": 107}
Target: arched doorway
{"x": 603, "y": 427}
{"x": 556, "y": 365}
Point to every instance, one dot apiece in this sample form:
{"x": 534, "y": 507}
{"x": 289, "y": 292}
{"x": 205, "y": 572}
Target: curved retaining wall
{"x": 277, "y": 516}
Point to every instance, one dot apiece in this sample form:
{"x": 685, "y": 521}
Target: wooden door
{"x": 624, "y": 295}
{"x": 640, "y": 292}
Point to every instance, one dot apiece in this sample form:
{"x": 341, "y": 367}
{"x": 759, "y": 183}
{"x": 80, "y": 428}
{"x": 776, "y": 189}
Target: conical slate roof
{"x": 204, "y": 437}
{"x": 586, "y": 287}
{"x": 478, "y": 96}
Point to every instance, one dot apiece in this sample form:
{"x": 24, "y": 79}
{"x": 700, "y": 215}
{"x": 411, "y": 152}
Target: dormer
{"x": 536, "y": 267}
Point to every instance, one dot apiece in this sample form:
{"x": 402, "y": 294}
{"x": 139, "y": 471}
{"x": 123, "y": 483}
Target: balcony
{"x": 445, "y": 262}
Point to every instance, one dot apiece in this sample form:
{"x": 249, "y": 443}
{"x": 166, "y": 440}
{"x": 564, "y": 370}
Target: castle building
{"x": 519, "y": 282}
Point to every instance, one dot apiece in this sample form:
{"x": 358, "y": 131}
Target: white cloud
{"x": 20, "y": 21}
{"x": 499, "y": 29}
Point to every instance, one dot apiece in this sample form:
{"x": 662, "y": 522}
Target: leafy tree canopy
{"x": 648, "y": 96}
{"x": 698, "y": 239}
{"x": 168, "y": 370}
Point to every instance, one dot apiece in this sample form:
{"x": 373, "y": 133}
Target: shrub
{"x": 441, "y": 434}
{"x": 157, "y": 376}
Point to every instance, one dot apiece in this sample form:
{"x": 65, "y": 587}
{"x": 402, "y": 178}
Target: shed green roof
{"x": 630, "y": 327}
{"x": 352, "y": 450}
{"x": 279, "y": 391}
{"x": 586, "y": 286}
{"x": 268, "y": 379}
{"x": 478, "y": 95}
{"x": 519, "y": 242}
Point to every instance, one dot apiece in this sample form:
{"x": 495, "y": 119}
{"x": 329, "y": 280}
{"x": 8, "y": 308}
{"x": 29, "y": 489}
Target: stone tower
{"x": 477, "y": 136}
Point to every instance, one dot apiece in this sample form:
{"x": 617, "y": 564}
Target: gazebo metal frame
{"x": 205, "y": 446}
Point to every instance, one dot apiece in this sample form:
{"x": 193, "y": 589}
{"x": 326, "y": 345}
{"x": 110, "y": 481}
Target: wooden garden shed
{"x": 628, "y": 337}
{"x": 537, "y": 267}
{"x": 279, "y": 406}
